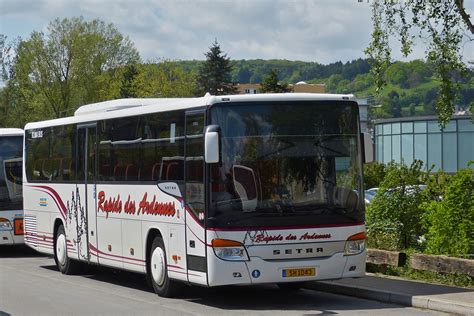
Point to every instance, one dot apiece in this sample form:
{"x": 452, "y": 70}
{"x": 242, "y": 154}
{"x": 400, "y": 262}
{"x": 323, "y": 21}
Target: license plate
{"x": 298, "y": 272}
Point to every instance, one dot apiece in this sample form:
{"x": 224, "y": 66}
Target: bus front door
{"x": 194, "y": 177}
{"x": 86, "y": 221}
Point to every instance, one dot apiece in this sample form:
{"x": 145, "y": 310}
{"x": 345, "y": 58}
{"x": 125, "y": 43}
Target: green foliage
{"x": 73, "y": 63}
{"x": 393, "y": 217}
{"x": 406, "y": 272}
{"x": 440, "y": 24}
{"x": 450, "y": 222}
{"x": 374, "y": 174}
{"x": 164, "y": 79}
{"x": 215, "y": 73}
{"x": 270, "y": 83}
{"x": 437, "y": 219}
{"x": 415, "y": 84}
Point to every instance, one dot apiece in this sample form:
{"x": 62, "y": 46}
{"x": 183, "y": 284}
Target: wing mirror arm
{"x": 367, "y": 147}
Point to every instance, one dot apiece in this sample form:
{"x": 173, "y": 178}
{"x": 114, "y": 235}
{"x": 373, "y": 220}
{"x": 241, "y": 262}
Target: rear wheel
{"x": 63, "y": 262}
{"x": 158, "y": 272}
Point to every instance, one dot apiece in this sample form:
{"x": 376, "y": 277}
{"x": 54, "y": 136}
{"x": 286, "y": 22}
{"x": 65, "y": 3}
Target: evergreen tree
{"x": 270, "y": 83}
{"x": 126, "y": 88}
{"x": 395, "y": 107}
{"x": 214, "y": 75}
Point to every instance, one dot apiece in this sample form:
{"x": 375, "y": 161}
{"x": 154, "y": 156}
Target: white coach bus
{"x": 11, "y": 198}
{"x": 218, "y": 190}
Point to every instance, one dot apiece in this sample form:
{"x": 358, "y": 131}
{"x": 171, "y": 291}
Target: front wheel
{"x": 63, "y": 262}
{"x": 158, "y": 272}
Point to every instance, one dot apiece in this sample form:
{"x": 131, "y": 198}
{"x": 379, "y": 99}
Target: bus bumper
{"x": 258, "y": 271}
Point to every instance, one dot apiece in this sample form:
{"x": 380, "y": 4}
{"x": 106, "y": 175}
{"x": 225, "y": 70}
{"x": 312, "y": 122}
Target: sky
{"x": 323, "y": 31}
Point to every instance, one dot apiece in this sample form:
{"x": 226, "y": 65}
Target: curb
{"x": 425, "y": 302}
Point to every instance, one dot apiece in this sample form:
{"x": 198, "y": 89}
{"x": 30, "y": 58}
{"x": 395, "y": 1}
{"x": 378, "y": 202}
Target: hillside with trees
{"x": 411, "y": 87}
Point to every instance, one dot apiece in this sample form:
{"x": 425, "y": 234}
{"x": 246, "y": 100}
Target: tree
{"x": 74, "y": 63}
{"x": 270, "y": 83}
{"x": 127, "y": 88}
{"x": 395, "y": 107}
{"x": 441, "y": 23}
{"x": 214, "y": 75}
{"x": 161, "y": 79}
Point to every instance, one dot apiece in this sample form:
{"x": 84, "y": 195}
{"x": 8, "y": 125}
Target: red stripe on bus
{"x": 57, "y": 199}
{"x": 92, "y": 248}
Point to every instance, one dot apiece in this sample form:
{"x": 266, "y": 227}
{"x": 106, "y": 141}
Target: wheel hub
{"x": 61, "y": 249}
{"x": 158, "y": 266}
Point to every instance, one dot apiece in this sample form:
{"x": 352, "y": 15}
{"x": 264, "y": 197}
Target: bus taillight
{"x": 18, "y": 224}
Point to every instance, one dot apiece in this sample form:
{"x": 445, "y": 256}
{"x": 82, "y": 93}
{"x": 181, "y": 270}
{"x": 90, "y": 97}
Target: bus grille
{"x": 30, "y": 223}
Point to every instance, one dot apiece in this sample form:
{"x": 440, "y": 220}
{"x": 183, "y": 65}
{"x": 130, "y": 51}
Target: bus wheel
{"x": 158, "y": 271}
{"x": 65, "y": 265}
{"x": 290, "y": 287}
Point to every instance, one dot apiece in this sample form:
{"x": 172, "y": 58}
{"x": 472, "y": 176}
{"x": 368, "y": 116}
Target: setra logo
{"x": 298, "y": 251}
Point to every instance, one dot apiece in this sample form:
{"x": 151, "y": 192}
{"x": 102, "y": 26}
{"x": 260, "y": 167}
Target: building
{"x": 406, "y": 139}
{"x": 300, "y": 87}
{"x": 248, "y": 88}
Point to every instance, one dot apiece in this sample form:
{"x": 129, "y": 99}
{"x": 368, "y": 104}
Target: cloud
{"x": 323, "y": 31}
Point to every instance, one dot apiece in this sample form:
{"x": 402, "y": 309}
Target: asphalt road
{"x": 30, "y": 284}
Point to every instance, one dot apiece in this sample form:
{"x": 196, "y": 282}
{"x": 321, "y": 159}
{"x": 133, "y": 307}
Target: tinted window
{"x": 50, "y": 154}
{"x": 38, "y": 164}
{"x": 142, "y": 148}
{"x": 163, "y": 147}
{"x": 10, "y": 172}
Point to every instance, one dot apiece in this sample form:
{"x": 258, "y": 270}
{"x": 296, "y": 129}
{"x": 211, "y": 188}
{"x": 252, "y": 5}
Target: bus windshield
{"x": 286, "y": 164}
{"x": 11, "y": 173}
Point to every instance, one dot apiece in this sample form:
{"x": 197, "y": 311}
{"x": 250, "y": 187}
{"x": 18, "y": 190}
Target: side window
{"x": 119, "y": 149}
{"x": 195, "y": 148}
{"x": 38, "y": 164}
{"x": 62, "y": 150}
{"x": 163, "y": 147}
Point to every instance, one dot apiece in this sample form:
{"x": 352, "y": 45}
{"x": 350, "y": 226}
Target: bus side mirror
{"x": 367, "y": 147}
{"x": 211, "y": 144}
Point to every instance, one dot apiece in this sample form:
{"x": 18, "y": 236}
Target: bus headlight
{"x": 5, "y": 224}
{"x": 355, "y": 244}
{"x": 230, "y": 250}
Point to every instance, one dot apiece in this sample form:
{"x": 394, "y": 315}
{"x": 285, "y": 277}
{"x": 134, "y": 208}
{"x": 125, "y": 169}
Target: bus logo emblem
{"x": 43, "y": 202}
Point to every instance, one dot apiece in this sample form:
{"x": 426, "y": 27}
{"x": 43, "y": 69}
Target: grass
{"x": 461, "y": 280}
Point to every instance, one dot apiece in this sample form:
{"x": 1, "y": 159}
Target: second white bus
{"x": 11, "y": 197}
{"x": 210, "y": 191}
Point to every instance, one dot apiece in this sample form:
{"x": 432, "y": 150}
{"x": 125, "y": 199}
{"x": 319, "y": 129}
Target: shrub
{"x": 450, "y": 222}
{"x": 374, "y": 173}
{"x": 393, "y": 217}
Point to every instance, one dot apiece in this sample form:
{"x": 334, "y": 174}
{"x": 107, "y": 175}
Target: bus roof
{"x": 11, "y": 132}
{"x": 136, "y": 106}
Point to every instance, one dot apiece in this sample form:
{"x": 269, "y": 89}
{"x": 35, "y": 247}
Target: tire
{"x": 290, "y": 287}
{"x": 63, "y": 262}
{"x": 157, "y": 271}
